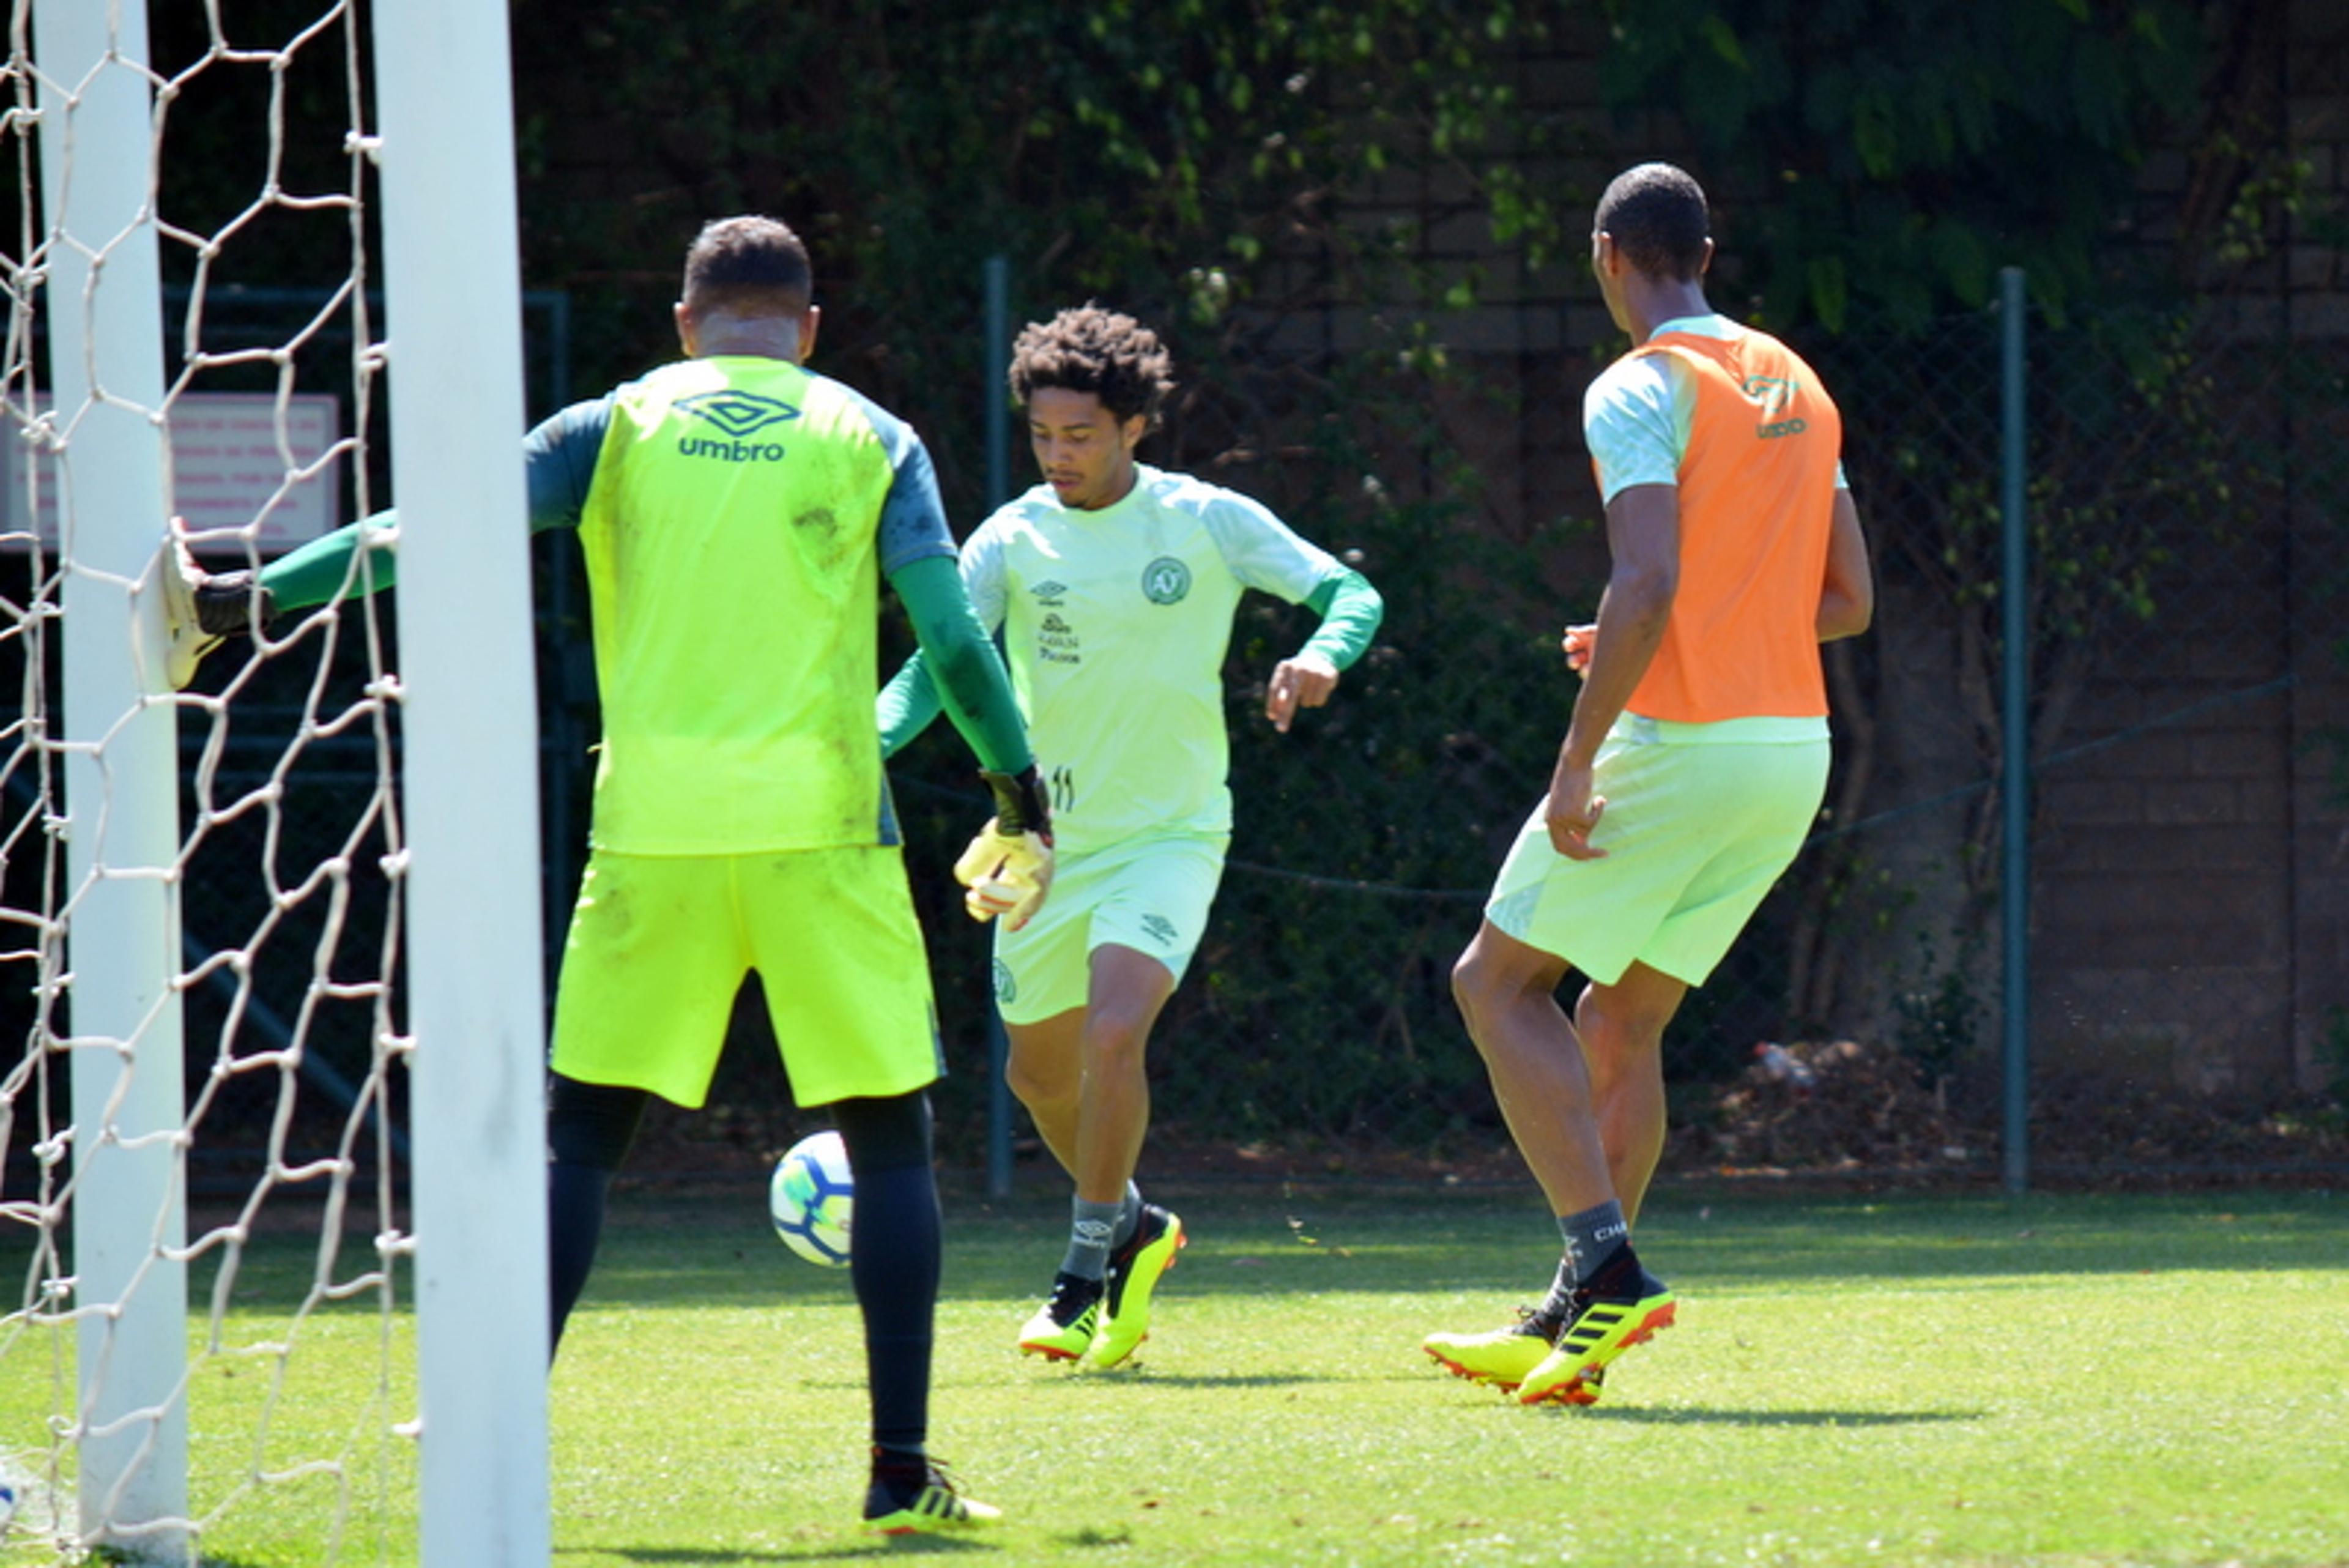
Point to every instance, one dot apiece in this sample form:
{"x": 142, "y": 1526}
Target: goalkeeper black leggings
{"x": 894, "y": 1263}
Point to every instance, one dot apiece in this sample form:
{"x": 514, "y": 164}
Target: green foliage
{"x": 1208, "y": 168}
{"x": 1880, "y": 161}
{"x": 1187, "y": 164}
{"x": 2335, "y": 1054}
{"x": 1940, "y": 1012}
{"x": 1270, "y": 181}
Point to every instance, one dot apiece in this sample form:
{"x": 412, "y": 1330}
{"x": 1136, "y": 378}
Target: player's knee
{"x": 1472, "y": 985}
{"x": 1040, "y": 1091}
{"x": 889, "y": 1133}
{"x": 1612, "y": 1027}
{"x": 1117, "y": 1035}
{"x": 592, "y": 1125}
{"x": 1627, "y": 1042}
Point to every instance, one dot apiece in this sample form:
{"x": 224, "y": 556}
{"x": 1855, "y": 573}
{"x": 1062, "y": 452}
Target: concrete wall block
{"x": 2159, "y": 918}
{"x": 2241, "y": 753}
{"x": 2164, "y": 172}
{"x": 2079, "y": 803}
{"x": 2150, "y": 753}
{"x": 2188, "y": 801}
{"x": 2206, "y": 1032}
{"x": 2315, "y": 267}
{"x": 2190, "y": 853}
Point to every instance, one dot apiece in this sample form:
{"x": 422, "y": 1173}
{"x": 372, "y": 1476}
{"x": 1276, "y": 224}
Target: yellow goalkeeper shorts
{"x": 1700, "y": 822}
{"x": 659, "y": 945}
{"x": 1150, "y": 894}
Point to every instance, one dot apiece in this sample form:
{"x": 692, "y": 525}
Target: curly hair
{"x": 1086, "y": 348}
{"x": 748, "y": 264}
{"x": 1657, "y": 215}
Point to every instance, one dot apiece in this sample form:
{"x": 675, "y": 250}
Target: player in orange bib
{"x": 1692, "y": 768}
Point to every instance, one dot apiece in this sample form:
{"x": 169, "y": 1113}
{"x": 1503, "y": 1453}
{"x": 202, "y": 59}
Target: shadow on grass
{"x": 1139, "y": 1375}
{"x": 858, "y": 1549}
{"x": 1144, "y": 1375}
{"x": 661, "y": 1253}
{"x": 1707, "y": 1417}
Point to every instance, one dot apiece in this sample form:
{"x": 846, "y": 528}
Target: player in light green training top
{"x": 738, "y": 513}
{"x": 1114, "y": 586}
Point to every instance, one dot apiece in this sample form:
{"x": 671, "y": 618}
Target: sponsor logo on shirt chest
{"x": 1166, "y": 580}
{"x": 1056, "y": 641}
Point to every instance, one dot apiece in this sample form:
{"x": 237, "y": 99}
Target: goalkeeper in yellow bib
{"x": 1114, "y": 586}
{"x": 738, "y": 513}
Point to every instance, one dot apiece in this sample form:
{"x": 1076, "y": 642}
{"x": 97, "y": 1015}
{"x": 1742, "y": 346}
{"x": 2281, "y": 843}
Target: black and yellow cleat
{"x": 1134, "y": 1270}
{"x": 1621, "y": 1306}
{"x": 909, "y": 1497}
{"x": 1063, "y": 1328}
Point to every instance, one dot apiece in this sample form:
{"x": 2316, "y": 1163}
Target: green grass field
{"x": 2057, "y": 1380}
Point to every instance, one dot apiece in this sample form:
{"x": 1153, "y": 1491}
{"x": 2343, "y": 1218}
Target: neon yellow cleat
{"x": 1610, "y": 1315}
{"x": 905, "y": 1501}
{"x": 1500, "y": 1358}
{"x": 1062, "y": 1328}
{"x": 1134, "y": 1270}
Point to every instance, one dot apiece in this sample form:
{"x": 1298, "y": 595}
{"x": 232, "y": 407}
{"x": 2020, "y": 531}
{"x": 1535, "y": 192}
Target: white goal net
{"x": 271, "y": 1188}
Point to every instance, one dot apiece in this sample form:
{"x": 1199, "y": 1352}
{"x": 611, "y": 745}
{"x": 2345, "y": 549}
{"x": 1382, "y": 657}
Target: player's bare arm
{"x": 1643, "y": 541}
{"x": 1305, "y": 681}
{"x": 1847, "y": 598}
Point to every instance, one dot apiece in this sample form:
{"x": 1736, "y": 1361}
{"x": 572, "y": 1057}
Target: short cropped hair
{"x": 1656, "y": 215}
{"x": 1086, "y": 348}
{"x": 748, "y": 264}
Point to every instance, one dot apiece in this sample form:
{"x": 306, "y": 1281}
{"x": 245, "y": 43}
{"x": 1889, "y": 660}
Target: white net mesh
{"x": 287, "y": 1380}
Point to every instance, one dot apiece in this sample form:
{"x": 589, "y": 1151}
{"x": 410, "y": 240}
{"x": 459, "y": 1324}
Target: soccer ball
{"x": 812, "y": 1198}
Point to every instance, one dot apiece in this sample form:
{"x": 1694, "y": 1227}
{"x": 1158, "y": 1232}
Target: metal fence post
{"x": 999, "y": 489}
{"x": 2015, "y": 724}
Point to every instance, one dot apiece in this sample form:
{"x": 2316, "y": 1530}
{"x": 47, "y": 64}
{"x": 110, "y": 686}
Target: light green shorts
{"x": 1149, "y": 894}
{"x": 659, "y": 944}
{"x": 1701, "y": 820}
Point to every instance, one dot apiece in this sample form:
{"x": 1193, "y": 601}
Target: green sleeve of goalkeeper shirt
{"x": 322, "y": 569}
{"x": 558, "y": 467}
{"x": 958, "y": 668}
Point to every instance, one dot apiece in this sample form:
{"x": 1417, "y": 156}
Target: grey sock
{"x": 1129, "y": 1216}
{"x": 1592, "y": 1238}
{"x": 1090, "y": 1227}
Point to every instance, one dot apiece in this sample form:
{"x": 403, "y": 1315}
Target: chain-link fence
{"x": 2186, "y": 492}
{"x": 2185, "y": 483}
{"x": 322, "y": 778}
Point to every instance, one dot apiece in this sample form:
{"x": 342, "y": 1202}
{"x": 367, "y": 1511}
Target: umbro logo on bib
{"x": 737, "y": 413}
{"x": 1773, "y": 395}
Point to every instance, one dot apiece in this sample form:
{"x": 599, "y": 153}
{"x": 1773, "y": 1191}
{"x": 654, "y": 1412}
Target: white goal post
{"x": 107, "y": 1218}
{"x": 479, "y": 1132}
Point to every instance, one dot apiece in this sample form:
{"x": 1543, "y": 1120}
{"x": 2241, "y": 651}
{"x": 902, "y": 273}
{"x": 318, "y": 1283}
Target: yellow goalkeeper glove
{"x": 1007, "y": 869}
